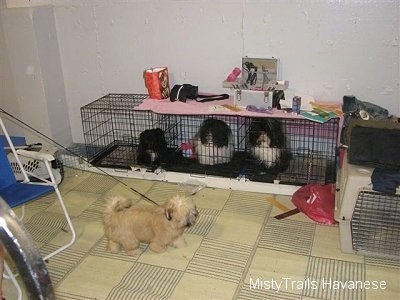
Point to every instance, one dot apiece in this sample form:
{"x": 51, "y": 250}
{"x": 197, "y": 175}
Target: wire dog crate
{"x": 111, "y": 129}
{"x": 183, "y": 133}
{"x": 303, "y": 152}
{"x": 314, "y": 151}
{"x": 308, "y": 152}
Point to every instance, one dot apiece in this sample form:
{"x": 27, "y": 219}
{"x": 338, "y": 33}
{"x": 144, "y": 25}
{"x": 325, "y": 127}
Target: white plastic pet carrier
{"x": 36, "y": 167}
{"x": 369, "y": 221}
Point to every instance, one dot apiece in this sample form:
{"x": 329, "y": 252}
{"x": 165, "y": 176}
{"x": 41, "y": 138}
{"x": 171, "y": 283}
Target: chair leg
{"x": 11, "y": 276}
{"x": 70, "y": 225}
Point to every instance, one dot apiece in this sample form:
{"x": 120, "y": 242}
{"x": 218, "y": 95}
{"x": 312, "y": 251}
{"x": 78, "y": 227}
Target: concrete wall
{"x": 38, "y": 96}
{"x": 327, "y": 49}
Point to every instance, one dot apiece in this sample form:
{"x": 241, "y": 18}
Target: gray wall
{"x": 71, "y": 52}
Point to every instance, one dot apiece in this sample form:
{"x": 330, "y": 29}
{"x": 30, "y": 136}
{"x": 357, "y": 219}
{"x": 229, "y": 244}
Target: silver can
{"x": 296, "y": 105}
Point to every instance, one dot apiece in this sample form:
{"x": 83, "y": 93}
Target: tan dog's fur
{"x": 127, "y": 224}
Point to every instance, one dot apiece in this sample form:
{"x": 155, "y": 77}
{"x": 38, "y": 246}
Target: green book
{"x": 318, "y": 117}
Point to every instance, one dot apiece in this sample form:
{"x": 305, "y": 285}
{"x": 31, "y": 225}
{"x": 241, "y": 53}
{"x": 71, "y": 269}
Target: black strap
{"x": 208, "y": 98}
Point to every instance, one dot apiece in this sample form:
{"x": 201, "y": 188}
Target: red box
{"x": 157, "y": 82}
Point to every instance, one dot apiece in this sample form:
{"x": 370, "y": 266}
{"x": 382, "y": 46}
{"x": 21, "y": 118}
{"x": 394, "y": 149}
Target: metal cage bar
{"x": 112, "y": 129}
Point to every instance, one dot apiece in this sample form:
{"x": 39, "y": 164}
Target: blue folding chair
{"x": 16, "y": 193}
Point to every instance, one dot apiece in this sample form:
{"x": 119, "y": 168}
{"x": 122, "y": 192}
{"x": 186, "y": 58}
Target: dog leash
{"x": 80, "y": 157}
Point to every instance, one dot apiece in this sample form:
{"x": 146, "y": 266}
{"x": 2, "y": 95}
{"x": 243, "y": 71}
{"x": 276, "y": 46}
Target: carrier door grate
{"x": 375, "y": 225}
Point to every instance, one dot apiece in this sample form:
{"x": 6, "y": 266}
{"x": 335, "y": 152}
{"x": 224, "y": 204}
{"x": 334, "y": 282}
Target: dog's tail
{"x": 116, "y": 203}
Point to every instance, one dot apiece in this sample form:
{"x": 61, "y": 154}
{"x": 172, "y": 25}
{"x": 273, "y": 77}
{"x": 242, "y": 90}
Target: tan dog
{"x": 127, "y": 224}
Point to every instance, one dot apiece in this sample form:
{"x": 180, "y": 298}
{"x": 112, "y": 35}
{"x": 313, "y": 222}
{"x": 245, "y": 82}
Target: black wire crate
{"x": 111, "y": 129}
{"x": 291, "y": 150}
{"x": 207, "y": 144}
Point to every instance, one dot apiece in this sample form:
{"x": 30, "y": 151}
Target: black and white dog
{"x": 152, "y": 147}
{"x": 213, "y": 142}
{"x": 268, "y": 143}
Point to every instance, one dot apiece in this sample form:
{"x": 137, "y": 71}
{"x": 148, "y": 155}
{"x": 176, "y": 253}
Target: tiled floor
{"x": 237, "y": 250}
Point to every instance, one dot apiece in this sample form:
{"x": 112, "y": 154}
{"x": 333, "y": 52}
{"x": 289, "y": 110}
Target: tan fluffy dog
{"x": 127, "y": 224}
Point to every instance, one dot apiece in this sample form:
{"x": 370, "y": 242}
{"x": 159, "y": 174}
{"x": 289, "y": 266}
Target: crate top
{"x": 117, "y": 102}
{"x": 219, "y": 107}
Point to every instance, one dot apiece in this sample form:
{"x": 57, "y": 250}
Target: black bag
{"x": 373, "y": 143}
{"x": 356, "y": 109}
{"x": 188, "y": 91}
{"x": 385, "y": 181}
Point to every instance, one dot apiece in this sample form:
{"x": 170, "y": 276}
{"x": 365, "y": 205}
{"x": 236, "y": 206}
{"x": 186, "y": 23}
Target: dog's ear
{"x": 168, "y": 214}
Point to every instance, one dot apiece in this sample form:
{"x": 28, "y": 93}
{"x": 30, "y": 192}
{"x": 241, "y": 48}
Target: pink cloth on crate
{"x": 192, "y": 107}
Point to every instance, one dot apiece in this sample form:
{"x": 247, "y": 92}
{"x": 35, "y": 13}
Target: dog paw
{"x": 158, "y": 248}
{"x": 179, "y": 243}
{"x": 134, "y": 252}
{"x": 113, "y": 247}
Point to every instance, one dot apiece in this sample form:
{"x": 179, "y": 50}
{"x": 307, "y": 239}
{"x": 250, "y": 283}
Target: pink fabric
{"x": 191, "y": 107}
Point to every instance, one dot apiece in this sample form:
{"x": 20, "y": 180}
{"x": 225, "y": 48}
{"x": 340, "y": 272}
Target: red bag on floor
{"x": 316, "y": 201}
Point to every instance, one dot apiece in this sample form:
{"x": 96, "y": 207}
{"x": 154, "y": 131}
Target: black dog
{"x": 215, "y": 131}
{"x": 268, "y": 143}
{"x": 152, "y": 147}
{"x": 213, "y": 142}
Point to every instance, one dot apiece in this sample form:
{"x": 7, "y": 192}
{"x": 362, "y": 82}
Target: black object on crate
{"x": 374, "y": 143}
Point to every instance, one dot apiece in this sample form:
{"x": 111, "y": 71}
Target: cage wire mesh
{"x": 375, "y": 224}
{"x": 184, "y": 131}
{"x": 112, "y": 129}
{"x": 313, "y": 147}
{"x": 73, "y": 157}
